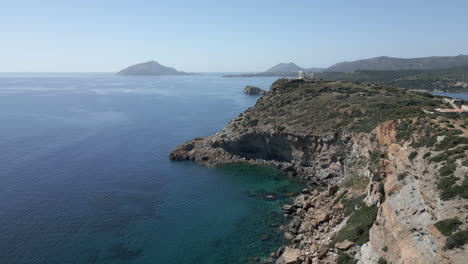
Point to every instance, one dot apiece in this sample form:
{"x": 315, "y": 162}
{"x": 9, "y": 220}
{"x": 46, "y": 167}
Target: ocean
{"x": 85, "y": 175}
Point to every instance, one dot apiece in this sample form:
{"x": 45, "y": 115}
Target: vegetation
{"x": 412, "y": 155}
{"x": 382, "y": 261}
{"x": 344, "y": 258}
{"x": 449, "y": 189}
{"x": 448, "y": 226}
{"x": 315, "y": 107}
{"x": 356, "y": 182}
{"x": 457, "y": 240}
{"x": 357, "y": 227}
{"x": 403, "y": 175}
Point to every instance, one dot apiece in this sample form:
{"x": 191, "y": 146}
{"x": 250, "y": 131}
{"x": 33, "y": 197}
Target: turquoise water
{"x": 85, "y": 175}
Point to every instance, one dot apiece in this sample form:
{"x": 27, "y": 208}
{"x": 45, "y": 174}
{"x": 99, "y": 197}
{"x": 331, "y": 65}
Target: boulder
{"x": 323, "y": 218}
{"x": 344, "y": 245}
{"x": 252, "y": 90}
{"x": 289, "y": 256}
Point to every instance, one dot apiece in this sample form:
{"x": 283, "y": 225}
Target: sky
{"x": 223, "y": 36}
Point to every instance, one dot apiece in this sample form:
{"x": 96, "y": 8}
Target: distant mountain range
{"x": 279, "y": 70}
{"x": 378, "y": 63}
{"x": 454, "y": 79}
{"x": 388, "y": 63}
{"x": 150, "y": 68}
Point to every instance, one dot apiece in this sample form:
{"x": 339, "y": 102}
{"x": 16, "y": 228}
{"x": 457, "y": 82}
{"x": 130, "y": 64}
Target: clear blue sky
{"x": 223, "y": 36}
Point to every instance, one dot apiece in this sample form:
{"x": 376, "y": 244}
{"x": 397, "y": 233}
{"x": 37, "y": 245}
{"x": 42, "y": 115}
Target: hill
{"x": 454, "y": 79}
{"x": 150, "y": 68}
{"x": 388, "y": 63}
{"x": 279, "y": 70}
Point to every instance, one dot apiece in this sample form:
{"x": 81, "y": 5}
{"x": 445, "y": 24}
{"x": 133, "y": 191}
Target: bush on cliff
{"x": 357, "y": 227}
{"x": 448, "y": 226}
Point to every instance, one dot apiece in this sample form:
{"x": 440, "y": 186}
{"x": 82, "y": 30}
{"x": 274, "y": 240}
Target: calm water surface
{"x": 85, "y": 178}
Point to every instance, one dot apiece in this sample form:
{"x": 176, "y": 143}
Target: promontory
{"x": 387, "y": 173}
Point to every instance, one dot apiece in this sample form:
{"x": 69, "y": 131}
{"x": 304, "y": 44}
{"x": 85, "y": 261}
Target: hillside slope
{"x": 454, "y": 79}
{"x": 389, "y": 63}
{"x": 388, "y": 182}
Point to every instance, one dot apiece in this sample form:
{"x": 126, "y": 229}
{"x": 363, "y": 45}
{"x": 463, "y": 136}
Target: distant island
{"x": 150, "y": 68}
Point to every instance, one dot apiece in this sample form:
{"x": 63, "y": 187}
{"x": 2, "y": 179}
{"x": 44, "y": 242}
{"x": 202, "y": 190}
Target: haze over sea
{"x": 85, "y": 175}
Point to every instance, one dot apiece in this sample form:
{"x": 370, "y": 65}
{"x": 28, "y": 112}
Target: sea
{"x": 85, "y": 175}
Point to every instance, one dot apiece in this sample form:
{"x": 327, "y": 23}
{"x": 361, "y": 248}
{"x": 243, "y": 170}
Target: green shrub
{"x": 403, "y": 175}
{"x": 457, "y": 240}
{"x": 450, "y": 142}
{"x": 357, "y": 227}
{"x": 385, "y": 249}
{"x": 448, "y": 189}
{"x": 344, "y": 258}
{"x": 448, "y": 226}
{"x": 465, "y": 163}
{"x": 382, "y": 261}
{"x": 412, "y": 155}
{"x": 427, "y": 155}
{"x": 447, "y": 170}
{"x": 350, "y": 205}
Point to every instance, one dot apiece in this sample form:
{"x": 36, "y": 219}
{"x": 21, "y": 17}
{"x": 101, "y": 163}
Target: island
{"x": 150, "y": 68}
{"x": 387, "y": 176}
{"x": 252, "y": 90}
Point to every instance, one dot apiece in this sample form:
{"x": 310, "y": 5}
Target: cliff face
{"x": 394, "y": 180}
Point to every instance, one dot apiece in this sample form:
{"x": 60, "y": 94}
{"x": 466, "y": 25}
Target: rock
{"x": 323, "y": 218}
{"x": 332, "y": 189}
{"x": 252, "y": 90}
{"x": 344, "y": 245}
{"x": 287, "y": 209}
{"x": 299, "y": 201}
{"x": 288, "y": 236}
{"x": 289, "y": 256}
{"x": 321, "y": 251}
{"x": 270, "y": 197}
{"x": 254, "y": 259}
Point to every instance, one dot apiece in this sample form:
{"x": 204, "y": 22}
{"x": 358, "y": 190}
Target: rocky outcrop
{"x": 375, "y": 165}
{"x": 252, "y": 90}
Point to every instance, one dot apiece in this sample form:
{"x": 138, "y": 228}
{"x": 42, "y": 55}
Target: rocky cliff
{"x": 392, "y": 180}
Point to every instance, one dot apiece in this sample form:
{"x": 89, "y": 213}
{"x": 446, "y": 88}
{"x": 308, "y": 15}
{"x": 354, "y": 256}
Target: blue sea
{"x": 85, "y": 175}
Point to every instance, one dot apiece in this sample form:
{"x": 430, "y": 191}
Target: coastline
{"x": 359, "y": 167}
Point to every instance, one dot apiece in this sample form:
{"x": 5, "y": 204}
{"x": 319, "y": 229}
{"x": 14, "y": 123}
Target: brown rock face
{"x": 289, "y": 256}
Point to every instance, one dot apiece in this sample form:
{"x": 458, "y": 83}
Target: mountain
{"x": 388, "y": 63}
{"x": 279, "y": 70}
{"x": 291, "y": 67}
{"x": 150, "y": 68}
{"x": 454, "y": 79}
{"x": 387, "y": 178}
{"x": 285, "y": 67}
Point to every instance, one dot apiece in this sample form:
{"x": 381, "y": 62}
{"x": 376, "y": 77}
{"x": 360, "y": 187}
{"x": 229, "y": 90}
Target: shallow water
{"x": 85, "y": 178}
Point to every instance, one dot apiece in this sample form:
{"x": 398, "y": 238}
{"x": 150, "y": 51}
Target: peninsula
{"x": 387, "y": 176}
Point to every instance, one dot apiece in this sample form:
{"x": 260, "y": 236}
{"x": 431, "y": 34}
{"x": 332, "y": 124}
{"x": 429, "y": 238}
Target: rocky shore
{"x": 389, "y": 176}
